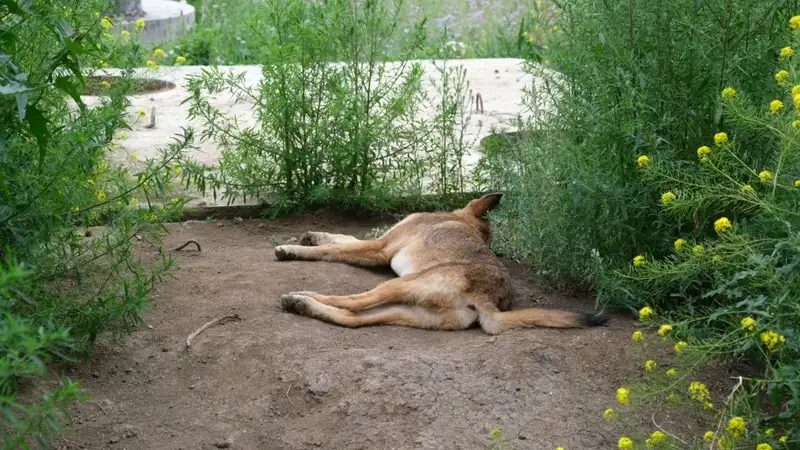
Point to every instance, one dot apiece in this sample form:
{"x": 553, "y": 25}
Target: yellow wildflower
{"x": 108, "y": 36}
{"x": 151, "y": 64}
{"x": 134, "y": 201}
{"x": 775, "y": 106}
{"x": 622, "y": 396}
{"x": 769, "y": 432}
{"x": 105, "y": 84}
{"x": 81, "y": 234}
{"x": 125, "y": 34}
{"x": 141, "y": 113}
{"x": 797, "y": 183}
{"x": 140, "y": 24}
{"x": 736, "y": 427}
{"x": 709, "y": 436}
{"x": 106, "y": 23}
{"x": 783, "y": 439}
{"x": 75, "y": 210}
{"x": 781, "y": 76}
{"x": 794, "y": 22}
{"x": 765, "y": 175}
{"x": 772, "y": 339}
{"x": 708, "y": 405}
{"x": 703, "y": 151}
{"x": 698, "y": 391}
{"x": 638, "y": 261}
{"x": 134, "y": 157}
{"x": 748, "y": 323}
{"x": 668, "y": 197}
{"x": 720, "y": 138}
{"x": 625, "y": 443}
{"x": 672, "y": 372}
{"x": 728, "y": 93}
{"x": 180, "y": 60}
{"x": 642, "y": 160}
{"x": 796, "y": 124}
{"x": 796, "y": 91}
{"x": 698, "y": 250}
{"x": 637, "y": 336}
{"x": 763, "y": 447}
{"x": 655, "y": 438}
{"x": 645, "y": 312}
{"x": 679, "y": 346}
{"x": 650, "y": 365}
{"x": 560, "y": 448}
{"x": 664, "y": 329}
{"x": 608, "y": 414}
{"x": 158, "y": 53}
{"x": 680, "y": 243}
{"x": 786, "y": 52}
{"x": 100, "y": 195}
{"x": 746, "y": 189}
{"x": 722, "y": 225}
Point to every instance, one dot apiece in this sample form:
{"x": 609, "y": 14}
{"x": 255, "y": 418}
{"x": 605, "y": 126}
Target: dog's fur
{"x": 448, "y": 277}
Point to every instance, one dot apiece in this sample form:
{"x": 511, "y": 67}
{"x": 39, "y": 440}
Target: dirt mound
{"x": 274, "y": 380}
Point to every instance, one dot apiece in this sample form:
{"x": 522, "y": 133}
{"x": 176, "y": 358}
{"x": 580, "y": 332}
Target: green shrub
{"x": 633, "y": 77}
{"x": 334, "y": 124}
{"x": 62, "y": 286}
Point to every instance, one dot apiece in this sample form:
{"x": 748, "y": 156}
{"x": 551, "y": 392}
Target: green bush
{"x": 633, "y": 77}
{"x": 334, "y": 124}
{"x": 62, "y": 284}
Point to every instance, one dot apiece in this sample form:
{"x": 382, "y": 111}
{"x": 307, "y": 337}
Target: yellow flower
{"x": 81, "y": 234}
{"x": 765, "y": 175}
{"x": 100, "y": 195}
{"x": 769, "y": 432}
{"x": 642, "y": 160}
{"x": 158, "y": 53}
{"x": 625, "y": 443}
{"x": 75, "y": 210}
{"x": 655, "y": 438}
{"x": 638, "y": 261}
{"x": 772, "y": 339}
{"x": 781, "y": 76}
{"x": 680, "y": 243}
{"x": 105, "y": 84}
{"x": 123, "y": 136}
{"x": 783, "y": 439}
{"x": 645, "y": 312}
{"x": 728, "y": 93}
{"x": 796, "y": 124}
{"x": 180, "y": 59}
{"x": 134, "y": 157}
{"x": 140, "y": 24}
{"x": 672, "y": 372}
{"x": 703, "y": 151}
{"x": 720, "y": 138}
{"x": 668, "y": 197}
{"x": 637, "y": 336}
{"x": 134, "y": 201}
{"x": 748, "y": 323}
{"x": 141, "y": 113}
{"x": 608, "y": 414}
{"x": 103, "y": 64}
{"x": 775, "y": 106}
{"x": 679, "y": 346}
{"x": 796, "y": 91}
{"x": 698, "y": 250}
{"x": 709, "y": 436}
{"x": 672, "y": 398}
{"x": 797, "y": 183}
{"x": 722, "y": 225}
{"x": 650, "y": 365}
{"x": 736, "y": 427}
{"x": 664, "y": 329}
{"x": 763, "y": 447}
{"x": 708, "y": 405}
{"x": 151, "y": 64}
{"x": 786, "y": 52}
{"x": 560, "y": 448}
{"x": 746, "y": 189}
{"x": 108, "y": 36}
{"x": 106, "y": 23}
{"x": 622, "y": 396}
{"x": 125, "y": 34}
{"x": 698, "y": 391}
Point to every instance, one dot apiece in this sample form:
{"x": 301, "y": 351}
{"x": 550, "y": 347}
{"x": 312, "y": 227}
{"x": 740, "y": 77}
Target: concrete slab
{"x": 500, "y": 82}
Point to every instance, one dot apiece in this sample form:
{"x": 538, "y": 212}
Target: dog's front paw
{"x": 293, "y": 303}
{"x": 284, "y": 253}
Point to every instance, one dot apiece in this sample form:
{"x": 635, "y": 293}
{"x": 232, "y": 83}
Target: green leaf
{"x": 13, "y": 7}
{"x": 14, "y": 87}
{"x": 38, "y": 124}
{"x": 22, "y": 104}
{"x": 65, "y": 84}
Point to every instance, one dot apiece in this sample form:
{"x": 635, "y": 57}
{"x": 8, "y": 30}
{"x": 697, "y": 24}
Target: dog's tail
{"x": 494, "y": 321}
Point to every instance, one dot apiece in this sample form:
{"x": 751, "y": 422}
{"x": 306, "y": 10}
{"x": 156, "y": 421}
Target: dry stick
{"x": 653, "y": 417}
{"x": 479, "y": 102}
{"x": 287, "y": 394}
{"x": 207, "y": 325}
{"x": 190, "y": 241}
{"x": 101, "y": 407}
{"x": 722, "y": 417}
{"x": 152, "y": 123}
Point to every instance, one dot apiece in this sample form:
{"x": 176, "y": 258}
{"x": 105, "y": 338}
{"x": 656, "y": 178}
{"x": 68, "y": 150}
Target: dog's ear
{"x": 481, "y": 206}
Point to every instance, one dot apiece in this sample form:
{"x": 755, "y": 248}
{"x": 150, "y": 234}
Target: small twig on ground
{"x": 230, "y": 317}
{"x": 287, "y": 394}
{"x": 152, "y": 123}
{"x": 190, "y": 241}
{"x": 722, "y": 416}
{"x": 101, "y": 407}
{"x": 479, "y": 102}
{"x": 653, "y": 417}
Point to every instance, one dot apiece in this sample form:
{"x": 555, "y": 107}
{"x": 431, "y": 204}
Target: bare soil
{"x": 274, "y": 380}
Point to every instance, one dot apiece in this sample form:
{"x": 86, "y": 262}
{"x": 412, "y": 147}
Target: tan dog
{"x": 448, "y": 277}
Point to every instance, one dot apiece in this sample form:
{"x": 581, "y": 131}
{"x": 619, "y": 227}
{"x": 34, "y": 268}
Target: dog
{"x": 448, "y": 278}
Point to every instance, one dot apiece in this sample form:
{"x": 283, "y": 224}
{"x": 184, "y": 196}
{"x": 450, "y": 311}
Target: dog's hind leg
{"x": 313, "y": 238}
{"x": 361, "y": 253}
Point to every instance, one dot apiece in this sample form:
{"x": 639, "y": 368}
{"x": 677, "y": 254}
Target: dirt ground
{"x": 274, "y": 380}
